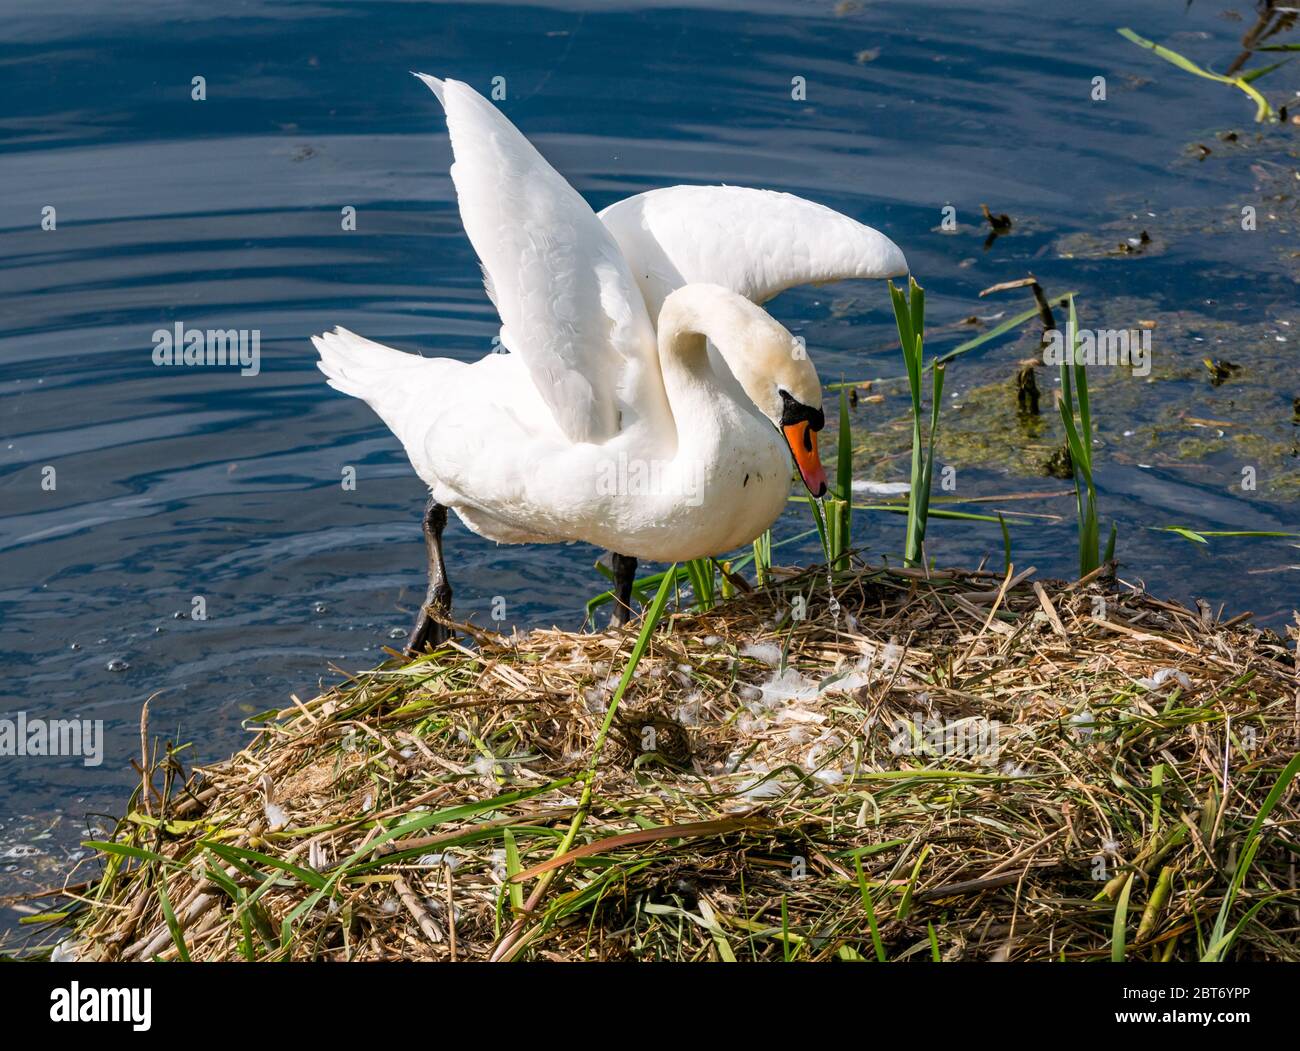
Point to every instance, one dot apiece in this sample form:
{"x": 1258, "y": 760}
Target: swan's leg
{"x": 624, "y": 567}
{"x": 428, "y": 631}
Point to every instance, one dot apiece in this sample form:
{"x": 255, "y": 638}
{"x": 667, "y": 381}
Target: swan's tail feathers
{"x": 361, "y": 367}
{"x": 400, "y": 387}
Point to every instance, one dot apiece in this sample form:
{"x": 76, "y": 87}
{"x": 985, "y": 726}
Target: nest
{"x": 951, "y": 765}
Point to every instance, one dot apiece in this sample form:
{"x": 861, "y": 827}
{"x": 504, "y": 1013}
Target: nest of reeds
{"x": 952, "y": 765}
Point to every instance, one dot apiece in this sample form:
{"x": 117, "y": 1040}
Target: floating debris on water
{"x": 869, "y": 488}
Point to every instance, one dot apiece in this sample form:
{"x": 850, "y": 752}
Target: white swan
{"x": 644, "y": 402}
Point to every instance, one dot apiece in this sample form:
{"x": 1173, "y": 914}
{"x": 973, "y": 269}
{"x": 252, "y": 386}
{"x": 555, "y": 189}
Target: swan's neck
{"x": 702, "y": 407}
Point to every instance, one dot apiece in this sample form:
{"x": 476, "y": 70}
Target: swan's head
{"x": 785, "y": 387}
{"x": 767, "y": 361}
{"x": 800, "y": 423}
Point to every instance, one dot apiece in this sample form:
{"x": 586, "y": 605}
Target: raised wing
{"x": 755, "y": 242}
{"x": 568, "y": 304}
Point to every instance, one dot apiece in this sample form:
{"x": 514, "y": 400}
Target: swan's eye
{"x": 794, "y": 411}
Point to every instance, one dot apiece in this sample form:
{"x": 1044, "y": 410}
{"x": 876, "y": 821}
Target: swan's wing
{"x": 755, "y": 242}
{"x": 568, "y": 304}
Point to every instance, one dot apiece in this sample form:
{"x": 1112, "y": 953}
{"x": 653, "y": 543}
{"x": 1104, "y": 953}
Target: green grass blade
{"x": 844, "y": 481}
{"x": 1251, "y": 75}
{"x": 1199, "y": 535}
{"x": 844, "y": 451}
{"x": 1001, "y": 329}
{"x": 1263, "y": 111}
{"x": 762, "y": 557}
{"x": 126, "y": 851}
{"x": 1172, "y": 57}
{"x": 917, "y": 296}
{"x": 1081, "y": 393}
{"x": 1219, "y": 942}
{"x": 228, "y": 852}
{"x": 173, "y": 925}
{"x": 869, "y": 908}
{"x": 513, "y": 866}
{"x": 1119, "y": 928}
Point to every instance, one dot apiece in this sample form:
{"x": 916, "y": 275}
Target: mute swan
{"x": 644, "y": 402}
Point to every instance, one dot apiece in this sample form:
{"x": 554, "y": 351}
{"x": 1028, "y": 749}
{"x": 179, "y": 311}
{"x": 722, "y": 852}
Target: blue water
{"x": 225, "y": 213}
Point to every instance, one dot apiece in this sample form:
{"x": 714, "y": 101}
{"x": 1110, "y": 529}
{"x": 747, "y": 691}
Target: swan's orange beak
{"x": 803, "y": 443}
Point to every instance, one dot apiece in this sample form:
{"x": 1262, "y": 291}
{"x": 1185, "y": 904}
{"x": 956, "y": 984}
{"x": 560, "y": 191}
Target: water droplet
{"x": 75, "y": 646}
{"x": 397, "y": 633}
{"x": 320, "y": 607}
{"x": 117, "y": 664}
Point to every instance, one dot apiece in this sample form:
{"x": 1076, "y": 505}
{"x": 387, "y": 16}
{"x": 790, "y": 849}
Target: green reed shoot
{"x": 701, "y": 572}
{"x": 762, "y": 557}
{"x": 909, "y": 313}
{"x": 838, "y": 505}
{"x": 1201, "y": 536}
{"x": 643, "y": 588}
{"x": 1078, "y": 435}
{"x": 966, "y": 347}
{"x": 1242, "y": 81}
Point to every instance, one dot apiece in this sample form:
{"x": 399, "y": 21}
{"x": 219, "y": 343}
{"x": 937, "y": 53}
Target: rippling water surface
{"x": 174, "y": 483}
